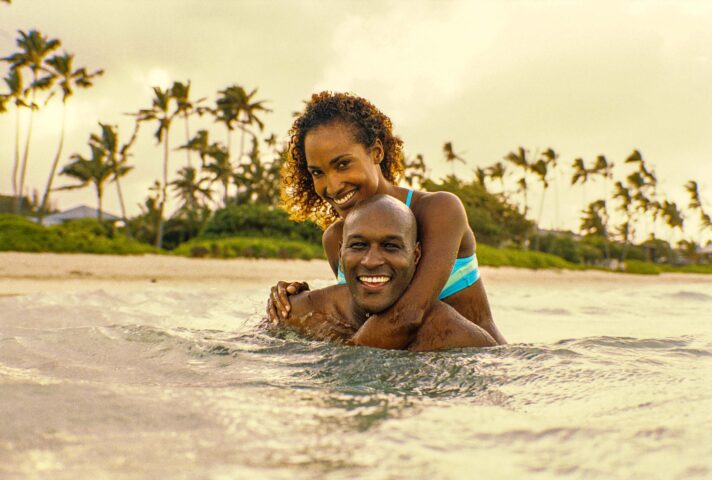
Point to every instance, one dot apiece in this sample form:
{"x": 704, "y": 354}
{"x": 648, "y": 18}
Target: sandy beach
{"x": 24, "y": 273}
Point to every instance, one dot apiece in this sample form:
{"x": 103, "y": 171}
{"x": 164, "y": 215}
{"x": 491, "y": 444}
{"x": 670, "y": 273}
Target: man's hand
{"x": 278, "y": 306}
{"x": 394, "y": 329}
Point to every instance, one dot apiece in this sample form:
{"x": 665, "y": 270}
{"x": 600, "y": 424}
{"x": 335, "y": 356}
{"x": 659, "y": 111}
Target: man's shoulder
{"x": 330, "y": 299}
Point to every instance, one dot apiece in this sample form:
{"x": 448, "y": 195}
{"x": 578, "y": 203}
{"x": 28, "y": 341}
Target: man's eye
{"x": 357, "y": 245}
{"x": 392, "y": 246}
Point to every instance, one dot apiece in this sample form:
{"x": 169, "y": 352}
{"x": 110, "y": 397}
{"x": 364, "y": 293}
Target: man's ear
{"x": 377, "y": 151}
{"x": 416, "y": 253}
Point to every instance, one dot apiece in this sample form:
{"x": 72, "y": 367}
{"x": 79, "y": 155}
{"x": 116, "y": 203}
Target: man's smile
{"x": 374, "y": 282}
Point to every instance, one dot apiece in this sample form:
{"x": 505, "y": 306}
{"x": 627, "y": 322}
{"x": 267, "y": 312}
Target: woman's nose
{"x": 333, "y": 185}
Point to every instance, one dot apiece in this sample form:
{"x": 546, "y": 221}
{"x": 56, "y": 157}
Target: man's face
{"x": 378, "y": 257}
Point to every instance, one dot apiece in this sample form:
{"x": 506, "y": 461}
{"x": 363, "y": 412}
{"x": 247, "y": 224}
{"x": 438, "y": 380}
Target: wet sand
{"x": 25, "y": 273}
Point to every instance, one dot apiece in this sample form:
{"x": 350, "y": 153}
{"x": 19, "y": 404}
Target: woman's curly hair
{"x": 297, "y": 193}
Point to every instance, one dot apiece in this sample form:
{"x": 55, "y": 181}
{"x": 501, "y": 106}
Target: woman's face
{"x": 343, "y": 170}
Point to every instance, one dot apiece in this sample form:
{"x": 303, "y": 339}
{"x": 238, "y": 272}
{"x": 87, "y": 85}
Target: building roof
{"x": 76, "y": 213}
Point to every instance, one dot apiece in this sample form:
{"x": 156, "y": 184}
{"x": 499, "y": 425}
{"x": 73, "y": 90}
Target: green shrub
{"x": 491, "y": 217}
{"x": 641, "y": 268}
{"x": 86, "y": 236}
{"x": 259, "y": 221}
{"x": 250, "y": 247}
{"x": 502, "y": 257}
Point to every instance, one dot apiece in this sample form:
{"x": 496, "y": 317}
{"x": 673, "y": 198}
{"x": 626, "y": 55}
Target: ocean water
{"x": 601, "y": 380}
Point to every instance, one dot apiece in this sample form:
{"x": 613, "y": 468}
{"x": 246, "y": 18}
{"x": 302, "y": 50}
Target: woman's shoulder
{"x": 332, "y": 234}
{"x": 436, "y": 203}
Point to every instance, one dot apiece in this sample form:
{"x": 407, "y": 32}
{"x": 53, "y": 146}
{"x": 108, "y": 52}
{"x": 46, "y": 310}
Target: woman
{"x": 343, "y": 150}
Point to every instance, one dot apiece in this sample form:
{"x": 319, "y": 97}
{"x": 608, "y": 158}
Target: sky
{"x": 582, "y": 77}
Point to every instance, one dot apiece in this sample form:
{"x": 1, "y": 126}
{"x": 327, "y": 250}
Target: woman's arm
{"x": 331, "y": 240}
{"x": 442, "y": 223}
{"x": 279, "y": 304}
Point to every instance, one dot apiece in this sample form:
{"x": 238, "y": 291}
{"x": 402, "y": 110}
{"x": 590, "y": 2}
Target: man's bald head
{"x": 384, "y": 209}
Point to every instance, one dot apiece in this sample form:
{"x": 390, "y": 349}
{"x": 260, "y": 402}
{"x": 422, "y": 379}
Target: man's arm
{"x": 318, "y": 314}
{"x": 445, "y": 328}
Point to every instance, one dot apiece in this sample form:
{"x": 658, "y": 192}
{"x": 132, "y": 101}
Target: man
{"x": 379, "y": 253}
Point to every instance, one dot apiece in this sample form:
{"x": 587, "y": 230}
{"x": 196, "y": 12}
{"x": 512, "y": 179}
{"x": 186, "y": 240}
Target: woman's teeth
{"x": 374, "y": 280}
{"x": 345, "y": 198}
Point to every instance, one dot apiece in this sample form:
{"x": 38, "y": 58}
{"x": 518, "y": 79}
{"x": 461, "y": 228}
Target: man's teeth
{"x": 374, "y": 280}
{"x": 345, "y": 198}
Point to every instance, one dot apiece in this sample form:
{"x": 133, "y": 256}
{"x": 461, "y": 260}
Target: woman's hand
{"x": 278, "y": 306}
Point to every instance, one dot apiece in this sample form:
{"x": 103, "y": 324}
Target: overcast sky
{"x": 585, "y": 78}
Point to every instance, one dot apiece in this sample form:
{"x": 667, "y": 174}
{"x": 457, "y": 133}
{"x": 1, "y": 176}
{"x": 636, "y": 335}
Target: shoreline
{"x": 26, "y": 273}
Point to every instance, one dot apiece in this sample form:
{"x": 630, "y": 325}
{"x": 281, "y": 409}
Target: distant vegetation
{"x": 227, "y": 185}
{"x": 88, "y": 236}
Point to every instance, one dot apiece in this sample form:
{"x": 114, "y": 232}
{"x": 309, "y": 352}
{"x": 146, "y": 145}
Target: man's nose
{"x": 372, "y": 258}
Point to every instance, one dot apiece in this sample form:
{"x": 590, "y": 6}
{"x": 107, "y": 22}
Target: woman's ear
{"x": 377, "y": 152}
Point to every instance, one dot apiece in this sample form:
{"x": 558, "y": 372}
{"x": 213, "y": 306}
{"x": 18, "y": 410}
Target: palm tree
{"x": 236, "y": 108}
{"x": 16, "y": 92}
{"x": 199, "y": 143}
{"x": 214, "y": 158}
{"x": 160, "y": 111}
{"x": 696, "y": 204}
{"x": 673, "y": 218}
{"x": 497, "y": 171}
{"x": 117, "y": 158}
{"x": 185, "y": 107}
{"x": 68, "y": 78}
{"x": 625, "y": 206}
{"x": 451, "y": 156}
{"x": 593, "y": 221}
{"x": 220, "y": 167}
{"x": 414, "y": 172}
{"x": 581, "y": 174}
{"x": 34, "y": 48}
{"x": 189, "y": 189}
{"x": 519, "y": 159}
{"x": 481, "y": 176}
{"x": 604, "y": 169}
{"x": 96, "y": 171}
{"x": 541, "y": 169}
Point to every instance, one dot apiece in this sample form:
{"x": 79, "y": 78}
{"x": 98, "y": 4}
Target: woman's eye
{"x": 315, "y": 173}
{"x": 343, "y": 164}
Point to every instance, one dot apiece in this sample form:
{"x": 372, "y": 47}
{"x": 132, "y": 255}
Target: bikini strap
{"x": 409, "y": 198}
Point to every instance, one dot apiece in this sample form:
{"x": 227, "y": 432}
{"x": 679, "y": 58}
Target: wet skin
{"x": 345, "y": 172}
{"x": 379, "y": 255}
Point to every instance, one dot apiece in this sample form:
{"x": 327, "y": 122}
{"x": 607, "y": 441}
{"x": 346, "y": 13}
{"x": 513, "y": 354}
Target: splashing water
{"x": 185, "y": 383}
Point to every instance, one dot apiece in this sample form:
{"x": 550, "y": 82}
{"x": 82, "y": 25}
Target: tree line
{"x": 214, "y": 173}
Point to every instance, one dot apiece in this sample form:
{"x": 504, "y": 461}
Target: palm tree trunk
{"x": 99, "y": 213}
{"x": 16, "y": 163}
{"x": 123, "y": 206}
{"x": 187, "y": 140}
{"x": 26, "y": 154}
{"x": 541, "y": 212}
{"x": 55, "y": 162}
{"x": 164, "y": 187}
